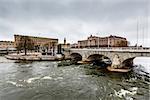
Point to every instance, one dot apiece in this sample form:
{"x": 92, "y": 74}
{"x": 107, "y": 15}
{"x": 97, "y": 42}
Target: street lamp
{"x": 90, "y": 43}
{"x": 98, "y": 41}
{"x": 108, "y": 42}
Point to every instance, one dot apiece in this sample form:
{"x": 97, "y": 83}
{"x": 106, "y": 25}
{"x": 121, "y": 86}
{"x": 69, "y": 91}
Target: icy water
{"x": 47, "y": 81}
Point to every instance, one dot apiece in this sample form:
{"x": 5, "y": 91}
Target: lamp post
{"x": 97, "y": 41}
{"x": 53, "y": 46}
{"x": 108, "y": 42}
{"x": 90, "y": 43}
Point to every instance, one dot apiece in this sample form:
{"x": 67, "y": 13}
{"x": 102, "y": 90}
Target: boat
{"x": 123, "y": 70}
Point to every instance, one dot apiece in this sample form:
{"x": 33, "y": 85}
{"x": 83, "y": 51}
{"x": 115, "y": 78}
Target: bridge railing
{"x": 124, "y": 48}
{"x": 132, "y": 49}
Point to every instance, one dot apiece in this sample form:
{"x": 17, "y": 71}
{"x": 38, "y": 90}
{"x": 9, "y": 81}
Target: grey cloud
{"x": 77, "y": 17}
{"x": 82, "y": 9}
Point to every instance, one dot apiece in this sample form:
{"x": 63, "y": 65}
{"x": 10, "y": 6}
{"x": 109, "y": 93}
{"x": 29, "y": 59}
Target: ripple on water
{"x": 31, "y": 80}
{"x": 44, "y": 81}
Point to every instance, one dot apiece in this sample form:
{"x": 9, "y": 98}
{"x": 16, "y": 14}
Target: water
{"x": 47, "y": 81}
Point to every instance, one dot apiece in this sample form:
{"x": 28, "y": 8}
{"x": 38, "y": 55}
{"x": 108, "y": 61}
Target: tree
{"x": 25, "y": 43}
{"x": 47, "y": 46}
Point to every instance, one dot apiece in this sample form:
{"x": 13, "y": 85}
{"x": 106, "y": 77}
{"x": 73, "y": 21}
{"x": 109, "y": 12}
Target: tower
{"x": 64, "y": 40}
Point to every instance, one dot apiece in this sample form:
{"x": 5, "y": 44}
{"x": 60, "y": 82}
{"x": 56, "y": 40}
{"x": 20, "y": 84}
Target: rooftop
{"x": 111, "y": 36}
{"x": 36, "y": 37}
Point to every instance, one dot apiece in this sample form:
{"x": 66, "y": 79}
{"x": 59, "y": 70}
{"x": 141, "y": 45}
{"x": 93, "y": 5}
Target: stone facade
{"x": 39, "y": 42}
{"x": 111, "y": 41}
{"x": 6, "y": 44}
{"x": 75, "y": 45}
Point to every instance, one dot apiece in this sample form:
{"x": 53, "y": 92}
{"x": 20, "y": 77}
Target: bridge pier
{"x": 119, "y": 62}
{"x": 116, "y": 62}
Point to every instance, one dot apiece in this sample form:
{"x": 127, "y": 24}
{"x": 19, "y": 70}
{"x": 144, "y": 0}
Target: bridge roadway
{"x": 119, "y": 56}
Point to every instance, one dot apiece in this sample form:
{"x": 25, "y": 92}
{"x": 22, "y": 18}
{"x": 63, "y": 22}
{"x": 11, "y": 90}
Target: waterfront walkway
{"x": 33, "y": 57}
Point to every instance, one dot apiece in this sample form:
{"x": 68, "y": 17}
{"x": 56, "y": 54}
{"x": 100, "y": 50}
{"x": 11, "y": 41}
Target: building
{"x": 6, "y": 44}
{"x": 110, "y": 41}
{"x": 40, "y": 43}
{"x": 75, "y": 45}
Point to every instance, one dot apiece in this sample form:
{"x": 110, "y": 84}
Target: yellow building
{"x": 39, "y": 42}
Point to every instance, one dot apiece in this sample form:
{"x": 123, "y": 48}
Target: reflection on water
{"x": 46, "y": 81}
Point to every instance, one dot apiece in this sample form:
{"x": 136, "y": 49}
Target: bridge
{"x": 120, "y": 57}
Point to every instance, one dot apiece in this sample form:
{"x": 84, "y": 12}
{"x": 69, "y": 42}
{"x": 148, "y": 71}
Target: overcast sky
{"x": 75, "y": 19}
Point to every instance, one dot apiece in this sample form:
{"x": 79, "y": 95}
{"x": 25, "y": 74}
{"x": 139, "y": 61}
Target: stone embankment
{"x": 34, "y": 57}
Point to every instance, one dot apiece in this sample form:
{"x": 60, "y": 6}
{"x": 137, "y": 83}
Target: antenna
{"x": 143, "y": 32}
{"x": 147, "y": 10}
{"x": 137, "y": 33}
{"x": 146, "y": 21}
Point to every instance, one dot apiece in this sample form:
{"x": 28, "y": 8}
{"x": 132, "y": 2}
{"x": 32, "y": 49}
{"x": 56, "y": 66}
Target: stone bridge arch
{"x": 94, "y": 57}
{"x": 76, "y": 56}
{"x": 87, "y": 54}
{"x": 119, "y": 58}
